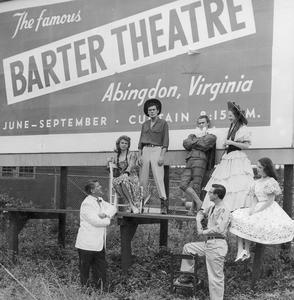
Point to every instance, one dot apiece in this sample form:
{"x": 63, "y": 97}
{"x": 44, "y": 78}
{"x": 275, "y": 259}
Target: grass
{"x": 50, "y": 272}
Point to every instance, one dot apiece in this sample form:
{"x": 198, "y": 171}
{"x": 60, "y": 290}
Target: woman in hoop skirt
{"x": 234, "y": 170}
{"x": 265, "y": 221}
{"x": 126, "y": 181}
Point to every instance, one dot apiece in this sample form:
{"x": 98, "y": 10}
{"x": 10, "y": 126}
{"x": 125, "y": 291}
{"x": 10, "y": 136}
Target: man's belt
{"x": 150, "y": 145}
{"x": 216, "y": 238}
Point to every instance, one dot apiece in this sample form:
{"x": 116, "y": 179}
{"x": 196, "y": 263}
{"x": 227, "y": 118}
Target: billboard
{"x": 81, "y": 70}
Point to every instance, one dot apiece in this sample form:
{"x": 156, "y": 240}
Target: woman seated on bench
{"x": 265, "y": 222}
{"x": 126, "y": 181}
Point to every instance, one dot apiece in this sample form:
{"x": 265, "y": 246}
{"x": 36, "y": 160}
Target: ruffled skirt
{"x": 235, "y": 173}
{"x": 270, "y": 226}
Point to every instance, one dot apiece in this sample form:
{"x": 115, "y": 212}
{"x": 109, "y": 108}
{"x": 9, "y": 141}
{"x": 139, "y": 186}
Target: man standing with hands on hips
{"x": 153, "y": 145}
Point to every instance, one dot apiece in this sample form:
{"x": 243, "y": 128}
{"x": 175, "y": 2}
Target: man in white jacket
{"x": 95, "y": 215}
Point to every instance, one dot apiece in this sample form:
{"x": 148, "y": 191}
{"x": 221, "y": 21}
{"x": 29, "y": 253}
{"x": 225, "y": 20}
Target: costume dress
{"x": 234, "y": 172}
{"x": 269, "y": 226}
{"x": 128, "y": 187}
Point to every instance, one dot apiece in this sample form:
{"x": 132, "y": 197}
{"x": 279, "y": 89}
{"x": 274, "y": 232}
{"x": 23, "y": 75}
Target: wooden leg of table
{"x": 163, "y": 234}
{"x": 287, "y": 200}
{"x": 257, "y": 264}
{"x": 62, "y": 205}
{"x": 16, "y": 223}
{"x": 61, "y": 230}
{"x": 127, "y": 232}
{"x": 13, "y": 237}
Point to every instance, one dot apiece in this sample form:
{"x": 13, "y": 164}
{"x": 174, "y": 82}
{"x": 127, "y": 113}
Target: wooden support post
{"x": 287, "y": 201}
{"x": 257, "y": 264}
{"x": 16, "y": 223}
{"x": 127, "y": 231}
{"x": 164, "y": 223}
{"x": 13, "y": 236}
{"x": 62, "y": 205}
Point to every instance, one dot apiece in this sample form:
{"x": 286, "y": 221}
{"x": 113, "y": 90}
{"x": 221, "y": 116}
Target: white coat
{"x": 92, "y": 231}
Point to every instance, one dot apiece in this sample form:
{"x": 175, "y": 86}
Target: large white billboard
{"x": 74, "y": 75}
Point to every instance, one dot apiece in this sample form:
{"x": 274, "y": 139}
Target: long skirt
{"x": 235, "y": 173}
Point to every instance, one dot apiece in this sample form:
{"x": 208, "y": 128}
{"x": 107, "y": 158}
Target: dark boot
{"x": 164, "y": 206}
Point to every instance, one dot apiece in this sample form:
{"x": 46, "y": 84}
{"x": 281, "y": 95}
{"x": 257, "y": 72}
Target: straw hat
{"x": 238, "y": 112}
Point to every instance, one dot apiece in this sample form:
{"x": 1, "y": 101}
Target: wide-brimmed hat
{"x": 238, "y": 112}
{"x": 151, "y": 102}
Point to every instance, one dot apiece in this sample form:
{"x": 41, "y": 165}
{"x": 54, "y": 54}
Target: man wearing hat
{"x": 153, "y": 145}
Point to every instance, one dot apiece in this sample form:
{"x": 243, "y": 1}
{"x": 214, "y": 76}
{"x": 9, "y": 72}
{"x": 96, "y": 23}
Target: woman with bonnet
{"x": 234, "y": 170}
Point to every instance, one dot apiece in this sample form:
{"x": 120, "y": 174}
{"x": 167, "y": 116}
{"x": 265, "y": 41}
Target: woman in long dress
{"x": 126, "y": 181}
{"x": 265, "y": 221}
{"x": 234, "y": 170}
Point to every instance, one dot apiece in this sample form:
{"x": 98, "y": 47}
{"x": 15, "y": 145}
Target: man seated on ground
{"x": 214, "y": 247}
{"x": 199, "y": 159}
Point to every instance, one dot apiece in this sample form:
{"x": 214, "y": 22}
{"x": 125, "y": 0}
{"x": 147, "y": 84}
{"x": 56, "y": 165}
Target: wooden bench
{"x": 128, "y": 223}
{"x": 18, "y": 217}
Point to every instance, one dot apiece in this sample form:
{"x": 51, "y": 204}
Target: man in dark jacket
{"x": 199, "y": 159}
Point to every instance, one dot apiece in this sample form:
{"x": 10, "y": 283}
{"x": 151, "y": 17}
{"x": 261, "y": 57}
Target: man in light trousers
{"x": 153, "y": 144}
{"x": 214, "y": 248}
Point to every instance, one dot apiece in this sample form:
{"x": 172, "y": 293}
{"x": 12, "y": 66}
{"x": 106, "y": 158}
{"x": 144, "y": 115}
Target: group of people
{"x": 152, "y": 146}
{"x": 237, "y": 203}
{"x": 234, "y": 201}
{"x": 95, "y": 213}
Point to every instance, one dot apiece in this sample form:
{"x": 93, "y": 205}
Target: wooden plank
{"x": 173, "y": 157}
{"x": 153, "y": 217}
{"x": 288, "y": 184}
{"x": 119, "y": 214}
{"x": 288, "y": 199}
{"x": 39, "y": 210}
{"x": 157, "y": 216}
{"x": 138, "y": 221}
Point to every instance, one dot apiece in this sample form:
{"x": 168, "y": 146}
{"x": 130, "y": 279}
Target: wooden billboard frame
{"x": 280, "y": 156}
